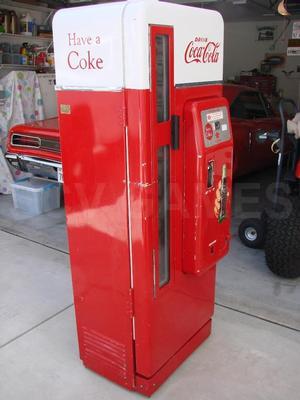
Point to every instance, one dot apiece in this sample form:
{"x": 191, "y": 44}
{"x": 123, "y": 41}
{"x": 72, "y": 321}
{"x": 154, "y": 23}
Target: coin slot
{"x": 210, "y": 174}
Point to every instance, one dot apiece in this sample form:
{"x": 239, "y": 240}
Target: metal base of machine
{"x": 148, "y": 386}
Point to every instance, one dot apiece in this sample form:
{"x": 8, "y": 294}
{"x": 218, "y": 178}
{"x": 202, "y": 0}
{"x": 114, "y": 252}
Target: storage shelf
{"x": 25, "y": 38}
{"x": 17, "y": 66}
{"x": 48, "y": 70}
{"x": 26, "y": 6}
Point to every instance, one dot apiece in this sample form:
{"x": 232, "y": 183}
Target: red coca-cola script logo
{"x": 203, "y": 51}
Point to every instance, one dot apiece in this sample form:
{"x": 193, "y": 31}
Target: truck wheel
{"x": 282, "y": 247}
{"x": 252, "y": 233}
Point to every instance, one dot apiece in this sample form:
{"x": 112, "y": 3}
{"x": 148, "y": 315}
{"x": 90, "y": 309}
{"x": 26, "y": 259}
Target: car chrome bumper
{"x": 37, "y": 166}
{"x": 36, "y": 160}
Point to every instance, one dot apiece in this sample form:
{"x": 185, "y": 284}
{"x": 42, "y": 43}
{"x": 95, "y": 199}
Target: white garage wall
{"x": 244, "y": 52}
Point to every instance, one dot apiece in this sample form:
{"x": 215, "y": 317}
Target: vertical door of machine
{"x": 163, "y": 170}
{"x": 177, "y": 305}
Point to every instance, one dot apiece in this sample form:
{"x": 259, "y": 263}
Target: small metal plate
{"x": 65, "y": 109}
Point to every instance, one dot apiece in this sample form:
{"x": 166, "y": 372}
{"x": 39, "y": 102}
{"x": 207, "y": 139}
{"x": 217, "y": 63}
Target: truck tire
{"x": 282, "y": 246}
{"x": 252, "y": 233}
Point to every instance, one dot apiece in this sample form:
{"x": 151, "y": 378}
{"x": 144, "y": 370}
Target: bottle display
{"x": 14, "y": 22}
{"x": 12, "y": 52}
{"x": 26, "y": 24}
{"x": 223, "y": 194}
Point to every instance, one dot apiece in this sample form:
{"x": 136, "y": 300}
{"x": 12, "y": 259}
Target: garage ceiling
{"x": 232, "y": 10}
{"x": 237, "y": 10}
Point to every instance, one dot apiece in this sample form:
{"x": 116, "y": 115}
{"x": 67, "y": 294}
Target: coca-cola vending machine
{"x": 147, "y": 164}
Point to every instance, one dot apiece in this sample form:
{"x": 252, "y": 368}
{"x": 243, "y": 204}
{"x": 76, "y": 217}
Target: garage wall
{"x": 243, "y": 52}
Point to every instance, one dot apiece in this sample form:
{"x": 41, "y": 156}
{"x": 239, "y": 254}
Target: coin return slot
{"x": 210, "y": 174}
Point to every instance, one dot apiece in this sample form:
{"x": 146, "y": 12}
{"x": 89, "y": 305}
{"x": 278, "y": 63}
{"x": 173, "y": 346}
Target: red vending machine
{"x": 147, "y": 163}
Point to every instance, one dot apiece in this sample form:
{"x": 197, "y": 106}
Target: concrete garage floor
{"x": 253, "y": 352}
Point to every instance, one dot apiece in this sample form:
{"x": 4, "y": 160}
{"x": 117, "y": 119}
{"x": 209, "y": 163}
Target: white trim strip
{"x": 89, "y": 89}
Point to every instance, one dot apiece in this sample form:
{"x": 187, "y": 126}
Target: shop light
{"x": 282, "y": 9}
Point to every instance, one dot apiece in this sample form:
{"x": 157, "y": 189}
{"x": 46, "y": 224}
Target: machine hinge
{"x": 131, "y": 312}
{"x": 131, "y": 302}
{"x": 124, "y": 114}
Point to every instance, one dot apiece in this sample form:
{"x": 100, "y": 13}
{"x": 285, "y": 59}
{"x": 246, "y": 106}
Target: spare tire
{"x": 282, "y": 244}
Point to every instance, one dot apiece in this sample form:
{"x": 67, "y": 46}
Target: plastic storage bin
{"x": 36, "y": 196}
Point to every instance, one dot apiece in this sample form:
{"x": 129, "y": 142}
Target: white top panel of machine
{"x": 88, "y": 47}
{"x": 106, "y": 46}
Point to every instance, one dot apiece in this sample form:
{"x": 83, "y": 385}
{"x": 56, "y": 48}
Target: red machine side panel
{"x": 93, "y": 153}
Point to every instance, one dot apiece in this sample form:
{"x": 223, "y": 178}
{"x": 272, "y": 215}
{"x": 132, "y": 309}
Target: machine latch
{"x": 175, "y": 132}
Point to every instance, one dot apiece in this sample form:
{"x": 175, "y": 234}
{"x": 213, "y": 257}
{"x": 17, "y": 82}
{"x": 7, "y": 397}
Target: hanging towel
{"x": 21, "y": 103}
{"x": 22, "y": 100}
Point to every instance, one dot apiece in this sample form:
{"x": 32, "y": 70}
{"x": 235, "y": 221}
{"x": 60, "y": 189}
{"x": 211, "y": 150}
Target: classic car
{"x": 36, "y": 145}
{"x": 35, "y": 148}
{"x": 251, "y": 116}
